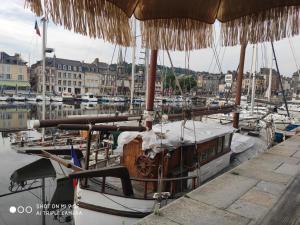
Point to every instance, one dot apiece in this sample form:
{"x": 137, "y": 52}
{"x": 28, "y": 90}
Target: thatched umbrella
{"x": 176, "y": 24}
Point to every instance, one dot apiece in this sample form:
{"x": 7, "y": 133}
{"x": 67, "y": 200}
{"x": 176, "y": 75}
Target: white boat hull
{"x": 56, "y": 99}
{"x": 40, "y": 98}
{"x": 19, "y": 98}
{"x": 3, "y": 98}
{"x": 105, "y": 202}
{"x": 89, "y": 99}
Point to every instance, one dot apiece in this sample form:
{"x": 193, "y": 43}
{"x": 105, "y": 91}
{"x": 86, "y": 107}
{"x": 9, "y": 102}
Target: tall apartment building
{"x": 208, "y": 83}
{"x": 62, "y": 75}
{"x": 265, "y": 72}
{"x": 13, "y": 74}
{"x": 75, "y": 77}
{"x": 96, "y": 79}
{"x": 296, "y": 84}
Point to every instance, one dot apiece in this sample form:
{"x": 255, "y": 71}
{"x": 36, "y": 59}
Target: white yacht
{"x": 56, "y": 98}
{"x": 105, "y": 99}
{"x": 118, "y": 99}
{"x": 66, "y": 96}
{"x": 30, "y": 98}
{"x": 4, "y": 98}
{"x": 291, "y": 107}
{"x": 18, "y": 98}
{"x": 39, "y": 98}
{"x": 88, "y": 97}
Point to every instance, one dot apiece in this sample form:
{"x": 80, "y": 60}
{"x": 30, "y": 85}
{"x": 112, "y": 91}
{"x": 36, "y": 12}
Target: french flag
{"x": 76, "y": 162}
{"x": 37, "y": 30}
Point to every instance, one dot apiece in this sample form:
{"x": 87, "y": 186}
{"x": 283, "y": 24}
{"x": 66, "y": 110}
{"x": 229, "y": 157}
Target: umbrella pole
{"x": 239, "y": 82}
{"x": 151, "y": 89}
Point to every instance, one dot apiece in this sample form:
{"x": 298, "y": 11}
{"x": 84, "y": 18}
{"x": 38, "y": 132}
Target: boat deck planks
{"x": 264, "y": 190}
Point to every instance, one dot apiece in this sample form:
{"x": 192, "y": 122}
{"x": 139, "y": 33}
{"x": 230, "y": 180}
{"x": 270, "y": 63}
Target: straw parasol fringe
{"x": 271, "y": 25}
{"x": 95, "y": 18}
{"x": 176, "y": 34}
{"x": 35, "y": 6}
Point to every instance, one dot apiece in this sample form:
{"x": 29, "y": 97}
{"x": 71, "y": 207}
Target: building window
{"x": 59, "y": 82}
{"x": 69, "y": 75}
{"x": 20, "y": 77}
{"x": 64, "y": 83}
{"x": 80, "y": 69}
{"x": 64, "y": 67}
{"x": 79, "y": 76}
{"x": 69, "y": 67}
{"x": 59, "y": 74}
{"x": 79, "y": 83}
{"x": 74, "y": 68}
{"x": 69, "y": 90}
{"x": 59, "y": 89}
{"x": 65, "y": 75}
{"x": 74, "y": 76}
{"x": 7, "y": 69}
{"x": 74, "y": 83}
{"x": 69, "y": 83}
{"x": 8, "y": 76}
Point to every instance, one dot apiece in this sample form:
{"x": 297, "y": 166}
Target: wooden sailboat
{"x": 144, "y": 179}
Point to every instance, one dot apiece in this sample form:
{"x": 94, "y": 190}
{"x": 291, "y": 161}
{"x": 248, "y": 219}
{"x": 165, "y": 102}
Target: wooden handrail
{"x": 163, "y": 179}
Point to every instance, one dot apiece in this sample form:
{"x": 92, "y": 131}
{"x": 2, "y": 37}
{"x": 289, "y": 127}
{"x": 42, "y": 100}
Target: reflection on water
{"x": 21, "y": 186}
{"x": 14, "y": 116}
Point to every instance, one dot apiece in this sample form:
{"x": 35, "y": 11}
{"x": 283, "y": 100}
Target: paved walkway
{"x": 264, "y": 190}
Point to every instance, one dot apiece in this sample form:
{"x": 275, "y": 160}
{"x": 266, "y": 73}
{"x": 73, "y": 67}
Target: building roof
{"x": 95, "y": 66}
{"x": 8, "y": 59}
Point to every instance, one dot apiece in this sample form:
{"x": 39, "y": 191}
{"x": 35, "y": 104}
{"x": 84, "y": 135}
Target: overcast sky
{"x": 17, "y": 34}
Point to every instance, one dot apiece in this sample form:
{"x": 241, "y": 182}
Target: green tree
{"x": 187, "y": 83}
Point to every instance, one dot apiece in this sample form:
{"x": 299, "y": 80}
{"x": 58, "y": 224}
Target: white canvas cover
{"x": 172, "y": 133}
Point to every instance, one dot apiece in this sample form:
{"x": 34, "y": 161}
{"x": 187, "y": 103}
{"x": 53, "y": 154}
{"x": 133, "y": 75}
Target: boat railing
{"x": 172, "y": 181}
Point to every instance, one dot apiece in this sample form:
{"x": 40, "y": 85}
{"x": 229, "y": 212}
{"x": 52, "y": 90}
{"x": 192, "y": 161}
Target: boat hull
{"x": 96, "y": 208}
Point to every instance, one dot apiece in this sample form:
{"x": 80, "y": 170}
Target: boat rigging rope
{"x": 196, "y": 149}
{"x": 294, "y": 55}
{"x": 217, "y": 57}
{"x": 181, "y": 154}
{"x": 120, "y": 204}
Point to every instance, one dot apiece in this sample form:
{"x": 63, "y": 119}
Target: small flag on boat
{"x": 75, "y": 161}
{"x": 37, "y": 30}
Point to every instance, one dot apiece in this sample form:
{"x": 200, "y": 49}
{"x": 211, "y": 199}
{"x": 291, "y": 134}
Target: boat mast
{"x": 239, "y": 82}
{"x": 270, "y": 77}
{"x": 253, "y": 73}
{"x": 283, "y": 93}
{"x": 151, "y": 89}
{"x": 146, "y": 67}
{"x": 44, "y": 74}
{"x": 133, "y": 65}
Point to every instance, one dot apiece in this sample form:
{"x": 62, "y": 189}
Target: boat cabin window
{"x": 227, "y": 141}
{"x": 210, "y": 152}
{"x": 220, "y": 145}
{"x": 203, "y": 156}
